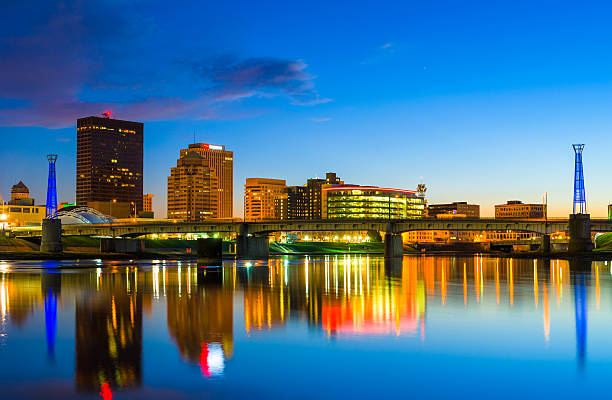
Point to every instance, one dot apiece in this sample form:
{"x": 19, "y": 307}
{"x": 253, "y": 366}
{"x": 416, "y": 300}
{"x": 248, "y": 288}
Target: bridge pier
{"x": 580, "y": 233}
{"x": 51, "y": 239}
{"x": 121, "y": 245}
{"x": 251, "y": 247}
{"x": 394, "y": 247}
{"x": 545, "y": 246}
{"x": 210, "y": 251}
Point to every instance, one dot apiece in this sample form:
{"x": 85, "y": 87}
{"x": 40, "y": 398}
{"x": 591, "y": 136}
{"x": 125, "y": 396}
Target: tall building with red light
{"x": 109, "y": 161}
{"x": 221, "y": 163}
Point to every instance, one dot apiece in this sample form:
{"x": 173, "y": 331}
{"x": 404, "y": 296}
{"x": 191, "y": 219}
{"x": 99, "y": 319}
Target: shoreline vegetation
{"x": 77, "y": 248}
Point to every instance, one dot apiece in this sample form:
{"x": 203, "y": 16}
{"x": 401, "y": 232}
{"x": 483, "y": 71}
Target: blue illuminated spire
{"x": 51, "y": 189}
{"x": 579, "y": 194}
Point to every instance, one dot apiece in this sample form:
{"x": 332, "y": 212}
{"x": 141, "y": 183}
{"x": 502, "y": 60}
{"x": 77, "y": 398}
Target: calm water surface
{"x": 308, "y": 327}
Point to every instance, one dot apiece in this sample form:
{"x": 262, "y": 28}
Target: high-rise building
{"x": 192, "y": 189}
{"x": 109, "y": 161}
{"x": 515, "y": 209}
{"x": 260, "y": 195}
{"x": 297, "y": 202}
{"x": 305, "y": 202}
{"x": 221, "y": 163}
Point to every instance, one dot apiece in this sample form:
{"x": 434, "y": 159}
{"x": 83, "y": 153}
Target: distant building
{"x": 20, "y": 195}
{"x": 297, "y": 202}
{"x": 221, "y": 164}
{"x": 109, "y": 161}
{"x": 147, "y": 206}
{"x": 609, "y": 211}
{"x": 306, "y": 202}
{"x": 21, "y": 215}
{"x": 458, "y": 209}
{"x": 352, "y": 201}
{"x": 192, "y": 189}
{"x": 20, "y": 210}
{"x": 260, "y": 195}
{"x": 515, "y": 209}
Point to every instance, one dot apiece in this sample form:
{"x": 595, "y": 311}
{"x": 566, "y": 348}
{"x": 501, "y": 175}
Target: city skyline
{"x": 391, "y": 104}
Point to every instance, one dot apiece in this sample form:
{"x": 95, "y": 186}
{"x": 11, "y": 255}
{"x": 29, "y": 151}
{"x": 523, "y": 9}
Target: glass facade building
{"x": 371, "y": 202}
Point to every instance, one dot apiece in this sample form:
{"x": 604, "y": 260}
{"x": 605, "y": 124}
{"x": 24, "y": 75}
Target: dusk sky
{"x": 479, "y": 100}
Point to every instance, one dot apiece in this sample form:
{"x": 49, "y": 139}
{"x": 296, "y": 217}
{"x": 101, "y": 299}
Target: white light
{"x": 215, "y": 147}
{"x": 215, "y": 359}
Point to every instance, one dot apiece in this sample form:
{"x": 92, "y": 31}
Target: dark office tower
{"x": 109, "y": 161}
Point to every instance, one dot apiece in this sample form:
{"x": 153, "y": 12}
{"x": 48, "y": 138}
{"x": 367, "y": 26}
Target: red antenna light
{"x": 107, "y": 114}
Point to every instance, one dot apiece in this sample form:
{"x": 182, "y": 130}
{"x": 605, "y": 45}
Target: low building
{"x": 371, "y": 202}
{"x": 260, "y": 195}
{"x": 20, "y": 210}
{"x": 458, "y": 209}
{"x": 116, "y": 209}
{"x": 147, "y": 206}
{"x": 17, "y": 215}
{"x": 515, "y": 209}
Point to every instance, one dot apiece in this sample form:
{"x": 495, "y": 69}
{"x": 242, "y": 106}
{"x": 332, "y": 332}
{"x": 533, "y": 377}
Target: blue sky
{"x": 481, "y": 101}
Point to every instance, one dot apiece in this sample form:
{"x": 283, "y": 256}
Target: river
{"x": 306, "y": 327}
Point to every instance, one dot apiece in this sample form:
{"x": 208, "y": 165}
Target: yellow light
{"x": 3, "y": 217}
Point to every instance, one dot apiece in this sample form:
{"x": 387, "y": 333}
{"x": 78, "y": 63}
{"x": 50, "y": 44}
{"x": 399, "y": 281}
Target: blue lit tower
{"x": 579, "y": 195}
{"x": 51, "y": 188}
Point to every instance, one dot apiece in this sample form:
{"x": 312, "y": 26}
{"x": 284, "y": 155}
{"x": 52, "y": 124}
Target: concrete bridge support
{"x": 51, "y": 239}
{"x": 210, "y": 251}
{"x": 116, "y": 245}
{"x": 251, "y": 247}
{"x": 545, "y": 246}
{"x": 394, "y": 247}
{"x": 580, "y": 233}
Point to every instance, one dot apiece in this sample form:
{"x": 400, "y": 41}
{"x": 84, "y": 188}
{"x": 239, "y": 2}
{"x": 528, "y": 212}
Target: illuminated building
{"x": 352, "y": 201}
{"x": 20, "y": 210}
{"x": 609, "y": 211}
{"x": 147, "y": 206}
{"x": 192, "y": 189}
{"x": 221, "y": 164}
{"x": 20, "y": 195}
{"x": 518, "y": 210}
{"x": 260, "y": 195}
{"x": 306, "y": 202}
{"x": 297, "y": 202}
{"x": 459, "y": 209}
{"x": 22, "y": 215}
{"x": 109, "y": 161}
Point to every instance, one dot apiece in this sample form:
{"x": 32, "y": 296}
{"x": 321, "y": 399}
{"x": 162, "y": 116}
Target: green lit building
{"x": 351, "y": 201}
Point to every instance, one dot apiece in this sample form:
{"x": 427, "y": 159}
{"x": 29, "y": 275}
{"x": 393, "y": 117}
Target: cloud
{"x": 66, "y": 59}
{"x": 381, "y": 53}
{"x": 320, "y": 119}
{"x": 264, "y": 77}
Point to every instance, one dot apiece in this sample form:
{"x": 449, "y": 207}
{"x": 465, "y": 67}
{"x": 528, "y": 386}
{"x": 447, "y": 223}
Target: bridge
{"x": 253, "y": 234}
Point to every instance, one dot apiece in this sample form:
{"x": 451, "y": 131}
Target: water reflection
{"x": 108, "y": 338}
{"x": 337, "y": 297}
